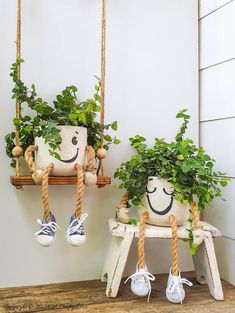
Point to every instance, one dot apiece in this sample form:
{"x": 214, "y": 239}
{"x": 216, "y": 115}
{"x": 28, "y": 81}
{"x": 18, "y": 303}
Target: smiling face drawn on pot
{"x": 72, "y": 151}
{"x": 155, "y": 188}
{"x": 75, "y": 143}
{"x": 159, "y": 202}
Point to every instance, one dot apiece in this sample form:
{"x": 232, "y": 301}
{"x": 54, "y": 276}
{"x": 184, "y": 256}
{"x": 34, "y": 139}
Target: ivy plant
{"x": 181, "y": 162}
{"x": 188, "y": 167}
{"x": 44, "y": 119}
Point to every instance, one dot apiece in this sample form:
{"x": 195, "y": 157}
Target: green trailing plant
{"x": 43, "y": 119}
{"x": 181, "y": 162}
{"x": 187, "y": 167}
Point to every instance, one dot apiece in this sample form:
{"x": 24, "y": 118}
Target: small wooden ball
{"x": 101, "y": 153}
{"x": 17, "y": 152}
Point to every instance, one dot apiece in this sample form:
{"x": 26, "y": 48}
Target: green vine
{"x": 43, "y": 120}
{"x": 187, "y": 167}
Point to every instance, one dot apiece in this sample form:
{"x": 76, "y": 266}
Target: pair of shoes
{"x": 175, "y": 291}
{"x": 140, "y": 282}
{"x": 141, "y": 286}
{"x": 75, "y": 233}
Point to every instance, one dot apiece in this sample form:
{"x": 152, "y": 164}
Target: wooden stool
{"x": 122, "y": 236}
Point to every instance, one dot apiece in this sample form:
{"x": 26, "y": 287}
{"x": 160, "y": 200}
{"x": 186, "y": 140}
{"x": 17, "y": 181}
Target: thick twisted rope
{"x": 124, "y": 200}
{"x": 141, "y": 254}
{"x": 18, "y": 56}
{"x": 91, "y": 158}
{"x": 103, "y": 65}
{"x": 80, "y": 190}
{"x": 29, "y": 159}
{"x": 102, "y": 86}
{"x": 122, "y": 211}
{"x": 45, "y": 201}
{"x": 175, "y": 263}
{"x": 195, "y": 215}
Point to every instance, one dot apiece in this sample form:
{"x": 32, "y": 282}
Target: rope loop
{"x": 124, "y": 200}
{"x": 29, "y": 159}
{"x": 91, "y": 158}
{"x": 195, "y": 215}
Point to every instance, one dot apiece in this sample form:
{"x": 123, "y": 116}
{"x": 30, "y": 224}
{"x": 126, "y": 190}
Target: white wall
{"x": 217, "y": 112}
{"x": 151, "y": 74}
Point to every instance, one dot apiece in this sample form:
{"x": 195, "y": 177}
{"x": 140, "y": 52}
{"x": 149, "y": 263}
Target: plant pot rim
{"x": 161, "y": 178}
{"x": 71, "y": 126}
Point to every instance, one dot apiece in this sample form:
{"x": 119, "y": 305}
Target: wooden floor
{"x": 89, "y": 296}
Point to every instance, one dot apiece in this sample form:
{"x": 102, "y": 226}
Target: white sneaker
{"x": 140, "y": 282}
{"x": 175, "y": 291}
{"x": 75, "y": 233}
{"x": 47, "y": 233}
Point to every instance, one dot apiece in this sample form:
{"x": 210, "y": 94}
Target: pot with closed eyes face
{"x": 72, "y": 151}
{"x": 159, "y": 202}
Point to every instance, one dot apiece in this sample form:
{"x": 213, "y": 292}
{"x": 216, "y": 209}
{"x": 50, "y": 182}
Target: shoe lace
{"x": 47, "y": 228}
{"x": 76, "y": 225}
{"x": 176, "y": 281}
{"x": 147, "y": 278}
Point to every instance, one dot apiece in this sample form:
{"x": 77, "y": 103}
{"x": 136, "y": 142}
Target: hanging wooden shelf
{"x": 20, "y": 181}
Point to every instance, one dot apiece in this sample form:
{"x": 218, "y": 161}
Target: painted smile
{"x": 72, "y": 159}
{"x": 164, "y": 212}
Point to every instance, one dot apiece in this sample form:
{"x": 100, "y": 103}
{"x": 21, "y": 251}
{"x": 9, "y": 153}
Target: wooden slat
{"x": 56, "y": 180}
{"x": 118, "y": 229}
{"x": 89, "y": 297}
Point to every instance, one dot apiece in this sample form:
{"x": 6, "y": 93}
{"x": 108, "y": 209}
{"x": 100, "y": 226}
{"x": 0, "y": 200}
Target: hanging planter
{"x": 63, "y": 145}
{"x": 72, "y": 150}
{"x": 50, "y": 132}
{"x": 59, "y": 142}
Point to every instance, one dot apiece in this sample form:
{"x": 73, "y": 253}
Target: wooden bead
{"x": 101, "y": 153}
{"x": 17, "y": 152}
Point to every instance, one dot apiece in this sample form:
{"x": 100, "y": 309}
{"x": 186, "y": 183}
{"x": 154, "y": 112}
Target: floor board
{"x": 89, "y": 296}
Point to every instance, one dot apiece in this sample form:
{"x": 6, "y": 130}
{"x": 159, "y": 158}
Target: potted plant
{"x": 167, "y": 179}
{"x": 60, "y": 135}
{"x": 183, "y": 171}
{"x": 59, "y": 131}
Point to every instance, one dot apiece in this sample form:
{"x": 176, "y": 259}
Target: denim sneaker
{"x": 140, "y": 282}
{"x": 46, "y": 235}
{"x": 175, "y": 291}
{"x": 75, "y": 233}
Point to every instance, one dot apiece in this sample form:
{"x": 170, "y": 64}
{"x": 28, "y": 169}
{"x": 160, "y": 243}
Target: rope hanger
{"x": 17, "y": 151}
{"x": 103, "y": 74}
{"x": 18, "y": 107}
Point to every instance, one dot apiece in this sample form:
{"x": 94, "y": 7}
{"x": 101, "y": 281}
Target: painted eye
{"x": 168, "y": 193}
{"x": 149, "y": 191}
{"x": 74, "y": 141}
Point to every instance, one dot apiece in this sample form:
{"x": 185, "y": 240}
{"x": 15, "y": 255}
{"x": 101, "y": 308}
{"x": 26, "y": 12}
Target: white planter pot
{"x": 160, "y": 204}
{"x": 72, "y": 151}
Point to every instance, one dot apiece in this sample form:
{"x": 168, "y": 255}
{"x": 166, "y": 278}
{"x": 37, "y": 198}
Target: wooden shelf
{"x": 20, "y": 181}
